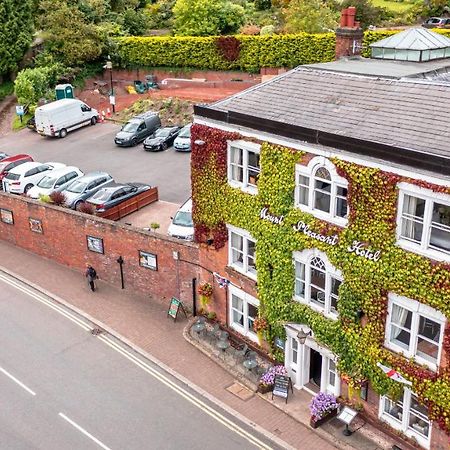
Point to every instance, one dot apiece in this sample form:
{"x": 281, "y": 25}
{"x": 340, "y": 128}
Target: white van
{"x": 182, "y": 226}
{"x": 59, "y": 117}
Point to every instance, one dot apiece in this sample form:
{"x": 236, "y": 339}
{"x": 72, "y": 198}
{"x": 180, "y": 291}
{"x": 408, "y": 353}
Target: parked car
{"x": 61, "y": 116}
{"x": 10, "y": 162}
{"x": 437, "y": 22}
{"x": 182, "y": 226}
{"x": 56, "y": 180}
{"x": 3, "y": 155}
{"x": 86, "y": 186}
{"x": 22, "y": 178}
{"x": 31, "y": 123}
{"x": 161, "y": 139}
{"x": 182, "y": 142}
{"x": 137, "y": 129}
{"x": 115, "y": 194}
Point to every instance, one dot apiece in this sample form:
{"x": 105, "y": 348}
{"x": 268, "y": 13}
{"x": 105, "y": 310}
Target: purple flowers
{"x": 269, "y": 377}
{"x": 323, "y": 404}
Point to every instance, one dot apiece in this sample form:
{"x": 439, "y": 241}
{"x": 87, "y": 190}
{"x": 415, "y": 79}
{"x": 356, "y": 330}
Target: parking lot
{"x": 93, "y": 148}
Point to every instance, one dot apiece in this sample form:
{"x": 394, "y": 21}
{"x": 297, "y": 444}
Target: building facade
{"x": 323, "y": 197}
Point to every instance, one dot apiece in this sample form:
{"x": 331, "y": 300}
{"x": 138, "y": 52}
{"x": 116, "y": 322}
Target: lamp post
{"x": 112, "y": 99}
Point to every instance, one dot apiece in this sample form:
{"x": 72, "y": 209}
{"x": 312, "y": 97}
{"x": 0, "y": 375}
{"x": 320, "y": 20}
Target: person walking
{"x": 91, "y": 275}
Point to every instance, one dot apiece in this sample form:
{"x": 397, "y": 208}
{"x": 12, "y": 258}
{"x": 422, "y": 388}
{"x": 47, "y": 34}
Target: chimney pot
{"x": 343, "y": 22}
{"x": 351, "y": 13}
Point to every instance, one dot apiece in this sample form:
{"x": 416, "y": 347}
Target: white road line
{"x": 185, "y": 394}
{"x": 17, "y": 381}
{"x": 89, "y": 435}
{"x": 74, "y": 318}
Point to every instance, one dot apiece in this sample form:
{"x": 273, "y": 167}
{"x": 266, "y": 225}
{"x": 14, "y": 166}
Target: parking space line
{"x": 82, "y": 430}
{"x": 17, "y": 381}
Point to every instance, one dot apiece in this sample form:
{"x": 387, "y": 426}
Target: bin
{"x": 64, "y": 91}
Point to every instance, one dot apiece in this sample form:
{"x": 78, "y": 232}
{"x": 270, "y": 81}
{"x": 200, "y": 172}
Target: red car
{"x": 10, "y": 162}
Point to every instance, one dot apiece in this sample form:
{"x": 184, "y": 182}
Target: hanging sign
{"x": 174, "y": 306}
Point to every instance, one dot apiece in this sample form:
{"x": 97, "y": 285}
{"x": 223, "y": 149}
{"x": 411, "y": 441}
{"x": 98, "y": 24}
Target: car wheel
{"x": 63, "y": 133}
{"x": 164, "y": 146}
{"x": 134, "y": 142}
{"x": 93, "y": 120}
{"x": 77, "y": 205}
{"x": 27, "y": 188}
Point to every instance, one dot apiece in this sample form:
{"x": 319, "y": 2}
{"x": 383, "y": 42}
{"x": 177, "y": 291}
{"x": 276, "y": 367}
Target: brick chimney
{"x": 349, "y": 34}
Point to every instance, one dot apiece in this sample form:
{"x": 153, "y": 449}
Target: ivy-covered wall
{"x": 372, "y": 197}
{"x": 251, "y": 52}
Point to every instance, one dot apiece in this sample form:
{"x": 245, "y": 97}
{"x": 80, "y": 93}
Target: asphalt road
{"x": 64, "y": 388}
{"x": 93, "y": 148}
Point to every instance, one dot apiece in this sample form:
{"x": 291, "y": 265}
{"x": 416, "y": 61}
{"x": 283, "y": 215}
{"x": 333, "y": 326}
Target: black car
{"x": 161, "y": 139}
{"x": 114, "y": 194}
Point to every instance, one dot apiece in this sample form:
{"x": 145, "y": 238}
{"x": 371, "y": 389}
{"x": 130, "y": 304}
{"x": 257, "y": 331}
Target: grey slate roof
{"x": 414, "y": 39}
{"x": 409, "y": 114}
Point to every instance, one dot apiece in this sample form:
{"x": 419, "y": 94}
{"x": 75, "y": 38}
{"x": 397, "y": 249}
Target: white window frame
{"x": 246, "y": 148}
{"x": 417, "y": 309}
{"x": 336, "y": 181}
{"x": 247, "y": 299}
{"x": 246, "y": 237}
{"x": 403, "y": 424}
{"x": 305, "y": 257}
{"x": 430, "y": 197}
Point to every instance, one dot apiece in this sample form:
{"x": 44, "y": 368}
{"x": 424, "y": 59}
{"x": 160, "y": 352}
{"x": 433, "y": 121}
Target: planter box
{"x": 317, "y": 423}
{"x": 264, "y": 389}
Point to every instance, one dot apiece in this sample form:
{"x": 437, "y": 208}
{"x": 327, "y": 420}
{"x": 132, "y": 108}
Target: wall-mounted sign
{"x": 279, "y": 343}
{"x": 148, "y": 260}
{"x": 95, "y": 244}
{"x": 301, "y": 226}
{"x": 265, "y": 215}
{"x": 359, "y": 249}
{"x": 6, "y": 216}
{"x": 35, "y": 225}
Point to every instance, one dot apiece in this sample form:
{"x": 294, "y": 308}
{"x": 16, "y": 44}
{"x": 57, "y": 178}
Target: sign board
{"x": 174, "y": 306}
{"x": 279, "y": 343}
{"x": 19, "y": 110}
{"x": 347, "y": 415}
{"x": 112, "y": 99}
{"x": 281, "y": 386}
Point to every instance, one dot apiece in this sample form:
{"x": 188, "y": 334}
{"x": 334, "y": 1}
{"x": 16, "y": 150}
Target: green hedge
{"x": 288, "y": 50}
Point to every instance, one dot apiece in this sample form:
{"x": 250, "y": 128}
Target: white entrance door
{"x": 310, "y": 366}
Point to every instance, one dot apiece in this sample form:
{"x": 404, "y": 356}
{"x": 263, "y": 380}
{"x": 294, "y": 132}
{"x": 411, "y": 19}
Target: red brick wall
{"x": 64, "y": 240}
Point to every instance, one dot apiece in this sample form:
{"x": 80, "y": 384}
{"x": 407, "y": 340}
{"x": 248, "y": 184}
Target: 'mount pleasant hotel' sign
{"x": 357, "y": 247}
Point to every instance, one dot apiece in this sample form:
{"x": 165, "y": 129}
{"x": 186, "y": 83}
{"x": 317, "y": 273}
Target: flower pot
{"x": 260, "y": 337}
{"x": 315, "y": 423}
{"x": 265, "y": 388}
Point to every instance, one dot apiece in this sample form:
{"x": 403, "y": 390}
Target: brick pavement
{"x": 143, "y": 322}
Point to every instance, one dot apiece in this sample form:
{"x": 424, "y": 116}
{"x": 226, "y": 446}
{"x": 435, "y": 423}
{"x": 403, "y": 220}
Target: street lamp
{"x": 112, "y": 99}
{"x": 302, "y": 335}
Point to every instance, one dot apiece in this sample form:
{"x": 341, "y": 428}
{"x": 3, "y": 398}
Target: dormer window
{"x": 321, "y": 191}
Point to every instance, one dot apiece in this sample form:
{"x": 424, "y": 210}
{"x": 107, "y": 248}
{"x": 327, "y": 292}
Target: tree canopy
{"x": 16, "y": 33}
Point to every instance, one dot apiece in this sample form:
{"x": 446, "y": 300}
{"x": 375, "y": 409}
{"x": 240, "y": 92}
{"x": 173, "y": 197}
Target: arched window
{"x": 317, "y": 282}
{"x": 321, "y": 191}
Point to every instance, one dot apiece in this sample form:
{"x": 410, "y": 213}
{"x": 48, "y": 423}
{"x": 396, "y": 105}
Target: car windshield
{"x": 185, "y": 132}
{"x": 77, "y": 187}
{"x": 130, "y": 127}
{"x": 162, "y": 132}
{"x": 183, "y": 219}
{"x": 47, "y": 182}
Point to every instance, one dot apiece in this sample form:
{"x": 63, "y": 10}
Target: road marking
{"x": 185, "y": 394}
{"x": 89, "y": 435}
{"x": 17, "y": 381}
{"x": 50, "y": 303}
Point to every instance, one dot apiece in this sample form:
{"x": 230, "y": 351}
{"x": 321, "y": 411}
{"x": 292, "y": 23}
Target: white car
{"x": 23, "y": 177}
{"x": 182, "y": 142}
{"x": 182, "y": 226}
{"x": 56, "y": 180}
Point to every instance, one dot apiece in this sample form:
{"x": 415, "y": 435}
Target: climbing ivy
{"x": 372, "y": 198}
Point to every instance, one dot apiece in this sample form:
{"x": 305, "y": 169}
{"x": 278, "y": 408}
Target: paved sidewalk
{"x": 143, "y": 322}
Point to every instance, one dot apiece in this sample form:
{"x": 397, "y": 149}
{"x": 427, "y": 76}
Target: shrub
{"x": 250, "y": 30}
{"x": 58, "y": 198}
{"x": 86, "y": 208}
{"x": 229, "y": 47}
{"x": 266, "y": 30}
{"x": 323, "y": 404}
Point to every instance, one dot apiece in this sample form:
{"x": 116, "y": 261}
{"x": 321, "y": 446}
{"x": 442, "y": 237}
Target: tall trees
{"x": 16, "y": 32}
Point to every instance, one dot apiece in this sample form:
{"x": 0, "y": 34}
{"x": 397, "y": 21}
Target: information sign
{"x": 281, "y": 386}
{"x": 174, "y": 306}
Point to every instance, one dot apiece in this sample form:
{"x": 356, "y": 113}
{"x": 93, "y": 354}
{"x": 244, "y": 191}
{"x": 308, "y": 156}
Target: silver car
{"x": 182, "y": 142}
{"x": 86, "y": 186}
